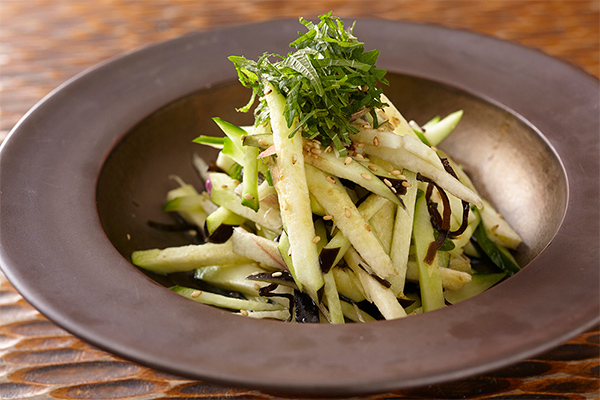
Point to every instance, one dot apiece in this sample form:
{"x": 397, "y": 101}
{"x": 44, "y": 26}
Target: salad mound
{"x": 331, "y": 207}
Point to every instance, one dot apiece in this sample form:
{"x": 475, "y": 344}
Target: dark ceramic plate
{"x": 86, "y": 169}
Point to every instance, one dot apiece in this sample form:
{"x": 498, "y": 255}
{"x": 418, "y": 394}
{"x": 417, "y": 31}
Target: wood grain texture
{"x": 45, "y": 42}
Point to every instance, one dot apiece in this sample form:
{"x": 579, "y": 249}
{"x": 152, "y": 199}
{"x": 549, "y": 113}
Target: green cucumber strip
{"x": 355, "y": 314}
{"x": 250, "y": 179}
{"x": 431, "y": 122}
{"x": 186, "y": 258}
{"x": 498, "y": 254}
{"x": 347, "y": 284}
{"x": 402, "y": 233}
{"x": 367, "y": 209}
{"x": 353, "y": 171}
{"x": 223, "y": 216}
{"x": 385, "y": 300}
{"x": 223, "y": 194}
{"x": 212, "y": 141}
{"x": 430, "y": 282}
{"x": 497, "y": 229}
{"x": 333, "y": 197}
{"x": 284, "y": 251}
{"x": 451, "y": 279}
{"x": 257, "y": 248}
{"x": 438, "y": 174}
{"x": 401, "y": 126}
{"x": 185, "y": 203}
{"x": 333, "y": 299}
{"x": 479, "y": 283}
{"x": 224, "y": 301}
{"x": 435, "y": 133}
{"x": 260, "y": 140}
{"x": 292, "y": 189}
{"x": 382, "y": 225}
{"x": 231, "y": 277}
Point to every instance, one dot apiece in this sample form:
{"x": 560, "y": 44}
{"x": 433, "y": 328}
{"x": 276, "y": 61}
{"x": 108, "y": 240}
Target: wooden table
{"x": 45, "y": 42}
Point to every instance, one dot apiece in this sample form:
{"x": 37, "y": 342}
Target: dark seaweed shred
{"x": 305, "y": 310}
{"x": 327, "y": 257}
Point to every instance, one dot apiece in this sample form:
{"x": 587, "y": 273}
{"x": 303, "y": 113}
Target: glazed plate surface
{"x": 84, "y": 171}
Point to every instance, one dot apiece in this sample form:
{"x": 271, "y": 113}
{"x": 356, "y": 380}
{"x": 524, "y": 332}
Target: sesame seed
{"x": 331, "y": 179}
{"x": 373, "y": 167}
{"x": 244, "y": 313}
{"x": 395, "y": 172}
{"x": 286, "y": 205}
{"x": 359, "y": 156}
{"x": 276, "y": 274}
{"x": 316, "y": 239}
{"x": 366, "y": 176}
{"x": 328, "y": 217}
{"x": 347, "y": 161}
{"x": 376, "y": 141}
{"x": 406, "y": 184}
{"x": 387, "y": 182}
{"x": 401, "y": 176}
{"x": 316, "y": 150}
{"x": 294, "y": 159}
{"x": 394, "y": 190}
{"x": 223, "y": 186}
{"x": 360, "y": 144}
{"x": 261, "y": 142}
{"x": 256, "y": 286}
{"x": 236, "y": 182}
{"x": 328, "y": 149}
{"x": 317, "y": 144}
{"x": 368, "y": 227}
{"x": 196, "y": 293}
{"x": 248, "y": 196}
{"x": 347, "y": 212}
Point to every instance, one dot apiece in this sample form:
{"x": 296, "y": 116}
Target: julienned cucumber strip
{"x": 430, "y": 282}
{"x": 224, "y": 301}
{"x": 402, "y": 234}
{"x": 186, "y": 258}
{"x": 334, "y": 198}
{"x": 223, "y": 194}
{"x": 479, "y": 283}
{"x": 292, "y": 189}
{"x": 250, "y": 178}
{"x": 437, "y": 132}
{"x": 498, "y": 254}
{"x": 349, "y": 169}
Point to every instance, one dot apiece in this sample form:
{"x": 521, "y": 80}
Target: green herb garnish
{"x": 325, "y": 81}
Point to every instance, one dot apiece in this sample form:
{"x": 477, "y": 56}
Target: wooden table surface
{"x": 45, "y": 42}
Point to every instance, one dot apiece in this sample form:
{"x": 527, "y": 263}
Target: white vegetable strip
{"x": 430, "y": 282}
{"x": 294, "y": 201}
{"x": 401, "y": 126}
{"x": 223, "y": 194}
{"x": 367, "y": 209}
{"x": 225, "y": 302}
{"x": 333, "y": 197}
{"x": 187, "y": 258}
{"x": 385, "y": 300}
{"x": 439, "y": 176}
{"x": 390, "y": 140}
{"x": 351, "y": 170}
{"x": 257, "y": 248}
{"x": 402, "y": 234}
{"x": 451, "y": 278}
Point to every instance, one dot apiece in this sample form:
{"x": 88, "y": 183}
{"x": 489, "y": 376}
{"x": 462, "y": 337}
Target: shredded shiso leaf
{"x": 328, "y": 79}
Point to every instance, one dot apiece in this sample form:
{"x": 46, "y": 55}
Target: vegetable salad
{"x": 332, "y": 207}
